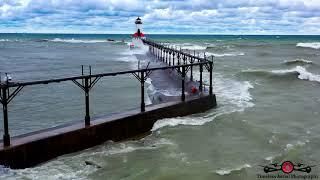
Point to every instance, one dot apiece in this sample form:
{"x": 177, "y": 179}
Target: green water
{"x": 267, "y": 89}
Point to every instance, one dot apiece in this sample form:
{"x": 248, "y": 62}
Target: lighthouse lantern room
{"x": 138, "y": 23}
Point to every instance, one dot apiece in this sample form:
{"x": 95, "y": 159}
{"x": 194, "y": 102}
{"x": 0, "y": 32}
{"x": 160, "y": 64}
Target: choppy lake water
{"x": 267, "y": 89}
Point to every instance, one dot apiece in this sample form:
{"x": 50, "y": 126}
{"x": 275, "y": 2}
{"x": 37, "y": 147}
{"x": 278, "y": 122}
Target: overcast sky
{"x": 190, "y": 16}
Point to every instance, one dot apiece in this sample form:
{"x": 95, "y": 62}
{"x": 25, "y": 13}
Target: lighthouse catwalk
{"x": 164, "y": 86}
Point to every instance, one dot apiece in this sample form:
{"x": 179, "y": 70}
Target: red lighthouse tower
{"x": 139, "y": 33}
{"x": 138, "y": 36}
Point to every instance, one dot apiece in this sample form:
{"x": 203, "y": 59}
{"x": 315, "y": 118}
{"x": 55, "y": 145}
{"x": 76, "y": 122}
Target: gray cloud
{"x": 190, "y": 16}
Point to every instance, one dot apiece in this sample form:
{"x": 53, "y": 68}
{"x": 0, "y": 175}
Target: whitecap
{"x": 10, "y": 40}
{"x": 289, "y": 147}
{"x": 303, "y": 73}
{"x": 299, "y": 143}
{"x": 298, "y": 61}
{"x": 228, "y": 54}
{"x": 78, "y": 40}
{"x": 4, "y": 40}
{"x": 273, "y": 139}
{"x": 313, "y": 45}
{"x": 191, "y": 121}
{"x": 269, "y": 158}
{"x": 208, "y": 54}
{"x": 193, "y": 47}
{"x": 226, "y": 171}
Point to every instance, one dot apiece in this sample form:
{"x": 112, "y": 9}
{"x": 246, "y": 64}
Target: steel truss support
{"x": 142, "y": 77}
{"x": 86, "y": 85}
{"x": 5, "y": 98}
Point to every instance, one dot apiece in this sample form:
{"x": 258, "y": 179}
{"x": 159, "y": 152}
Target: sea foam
{"x": 313, "y": 45}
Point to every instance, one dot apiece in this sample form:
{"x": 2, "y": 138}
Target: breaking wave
{"x": 228, "y": 54}
{"x": 233, "y": 96}
{"x": 10, "y": 40}
{"x": 74, "y": 166}
{"x": 228, "y": 171}
{"x": 209, "y": 54}
{"x": 133, "y": 56}
{"x": 4, "y": 40}
{"x": 187, "y": 46}
{"x": 313, "y": 45}
{"x": 76, "y": 40}
{"x": 298, "y": 61}
{"x": 288, "y": 150}
{"x": 191, "y": 121}
{"x": 300, "y": 71}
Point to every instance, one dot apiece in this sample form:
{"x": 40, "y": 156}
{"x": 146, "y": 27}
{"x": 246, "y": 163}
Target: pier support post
{"x": 173, "y": 59}
{"x": 211, "y": 69}
{"x": 162, "y": 55}
{"x": 4, "y": 100}
{"x": 200, "y": 85}
{"x": 86, "y": 90}
{"x": 166, "y": 54}
{"x": 143, "y": 106}
{"x": 183, "y": 97}
{"x": 191, "y": 69}
{"x": 157, "y": 52}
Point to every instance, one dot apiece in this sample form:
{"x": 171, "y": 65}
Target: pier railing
{"x": 9, "y": 89}
{"x": 171, "y": 56}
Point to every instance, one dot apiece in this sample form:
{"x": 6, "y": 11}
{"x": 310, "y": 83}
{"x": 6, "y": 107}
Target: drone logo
{"x": 287, "y": 167}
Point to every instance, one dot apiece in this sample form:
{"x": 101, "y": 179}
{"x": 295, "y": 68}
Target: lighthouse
{"x": 138, "y": 35}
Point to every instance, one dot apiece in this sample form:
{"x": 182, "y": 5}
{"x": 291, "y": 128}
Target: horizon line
{"x": 111, "y": 33}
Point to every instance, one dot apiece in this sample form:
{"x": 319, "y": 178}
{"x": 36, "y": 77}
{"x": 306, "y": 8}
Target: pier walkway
{"x": 172, "y": 73}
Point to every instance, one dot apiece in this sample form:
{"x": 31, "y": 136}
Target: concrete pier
{"x": 37, "y": 147}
